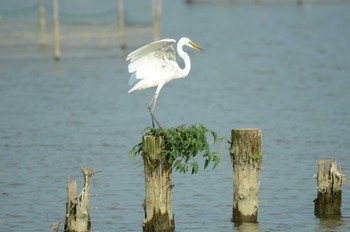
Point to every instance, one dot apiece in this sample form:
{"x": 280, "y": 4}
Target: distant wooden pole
{"x": 42, "y": 24}
{"x": 56, "y": 31}
{"x": 329, "y": 182}
{"x": 246, "y": 156}
{"x": 121, "y": 21}
{"x": 157, "y": 12}
{"x": 78, "y": 207}
{"x": 158, "y": 186}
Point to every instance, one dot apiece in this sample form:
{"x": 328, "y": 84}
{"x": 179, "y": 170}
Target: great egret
{"x": 154, "y": 65}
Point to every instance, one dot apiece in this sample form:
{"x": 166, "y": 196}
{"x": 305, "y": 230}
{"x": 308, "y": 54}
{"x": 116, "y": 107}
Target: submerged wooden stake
{"x": 78, "y": 207}
{"x": 42, "y": 24}
{"x": 157, "y": 12}
{"x": 158, "y": 186}
{"x": 56, "y": 31}
{"x": 329, "y": 182}
{"x": 246, "y": 156}
{"x": 121, "y": 21}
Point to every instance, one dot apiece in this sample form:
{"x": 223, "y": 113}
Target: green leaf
{"x": 215, "y": 136}
{"x": 216, "y": 161}
{"x": 194, "y": 168}
{"x": 206, "y": 163}
{"x": 176, "y": 164}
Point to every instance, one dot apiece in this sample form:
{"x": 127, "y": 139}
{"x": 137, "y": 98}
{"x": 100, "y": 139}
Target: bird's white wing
{"x": 160, "y": 47}
{"x": 156, "y": 50}
{"x": 170, "y": 54}
{"x": 148, "y": 61}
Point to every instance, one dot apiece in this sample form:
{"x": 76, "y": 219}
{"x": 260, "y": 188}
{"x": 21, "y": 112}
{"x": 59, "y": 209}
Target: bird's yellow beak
{"x": 196, "y": 47}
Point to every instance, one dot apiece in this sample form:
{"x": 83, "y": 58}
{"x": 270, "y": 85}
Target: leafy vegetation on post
{"x": 182, "y": 144}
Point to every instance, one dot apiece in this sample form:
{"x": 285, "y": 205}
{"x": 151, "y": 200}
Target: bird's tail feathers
{"x": 135, "y": 87}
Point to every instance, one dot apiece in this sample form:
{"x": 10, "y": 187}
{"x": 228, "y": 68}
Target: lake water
{"x": 276, "y": 66}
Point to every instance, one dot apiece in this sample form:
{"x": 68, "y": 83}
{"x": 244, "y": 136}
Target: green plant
{"x": 182, "y": 144}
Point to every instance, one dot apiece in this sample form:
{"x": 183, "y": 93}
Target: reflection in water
{"x": 330, "y": 224}
{"x": 247, "y": 227}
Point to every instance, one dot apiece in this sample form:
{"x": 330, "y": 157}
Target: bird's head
{"x": 189, "y": 43}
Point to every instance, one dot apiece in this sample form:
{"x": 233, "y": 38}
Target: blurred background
{"x": 279, "y": 65}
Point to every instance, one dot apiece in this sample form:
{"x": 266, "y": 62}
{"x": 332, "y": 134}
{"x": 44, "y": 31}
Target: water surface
{"x": 280, "y": 67}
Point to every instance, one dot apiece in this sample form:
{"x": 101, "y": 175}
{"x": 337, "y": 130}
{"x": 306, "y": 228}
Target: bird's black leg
{"x": 152, "y": 104}
{"x": 153, "y": 118}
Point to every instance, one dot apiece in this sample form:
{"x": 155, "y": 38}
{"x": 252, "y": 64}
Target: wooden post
{"x": 42, "y": 24}
{"x": 329, "y": 182}
{"x": 121, "y": 21}
{"x": 54, "y": 227}
{"x": 56, "y": 31}
{"x": 157, "y": 12}
{"x": 246, "y": 156}
{"x": 158, "y": 186}
{"x": 78, "y": 207}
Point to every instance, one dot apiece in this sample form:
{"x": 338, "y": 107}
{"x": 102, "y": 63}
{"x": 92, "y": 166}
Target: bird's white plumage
{"x": 154, "y": 65}
{"x": 151, "y": 64}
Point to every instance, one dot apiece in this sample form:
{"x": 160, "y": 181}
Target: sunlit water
{"x": 279, "y": 67}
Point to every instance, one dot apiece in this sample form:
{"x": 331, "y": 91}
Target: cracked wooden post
{"x": 78, "y": 207}
{"x": 158, "y": 186}
{"x": 246, "y": 156}
{"x": 329, "y": 182}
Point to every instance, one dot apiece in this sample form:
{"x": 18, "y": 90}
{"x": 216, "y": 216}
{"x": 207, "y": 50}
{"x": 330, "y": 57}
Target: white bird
{"x": 154, "y": 65}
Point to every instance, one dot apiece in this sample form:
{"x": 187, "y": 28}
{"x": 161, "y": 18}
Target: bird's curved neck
{"x": 186, "y": 70}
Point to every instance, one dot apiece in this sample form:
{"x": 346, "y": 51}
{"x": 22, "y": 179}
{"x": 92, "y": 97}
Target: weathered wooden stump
{"x": 329, "y": 182}
{"x": 158, "y": 186}
{"x": 55, "y": 227}
{"x": 246, "y": 156}
{"x": 78, "y": 207}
